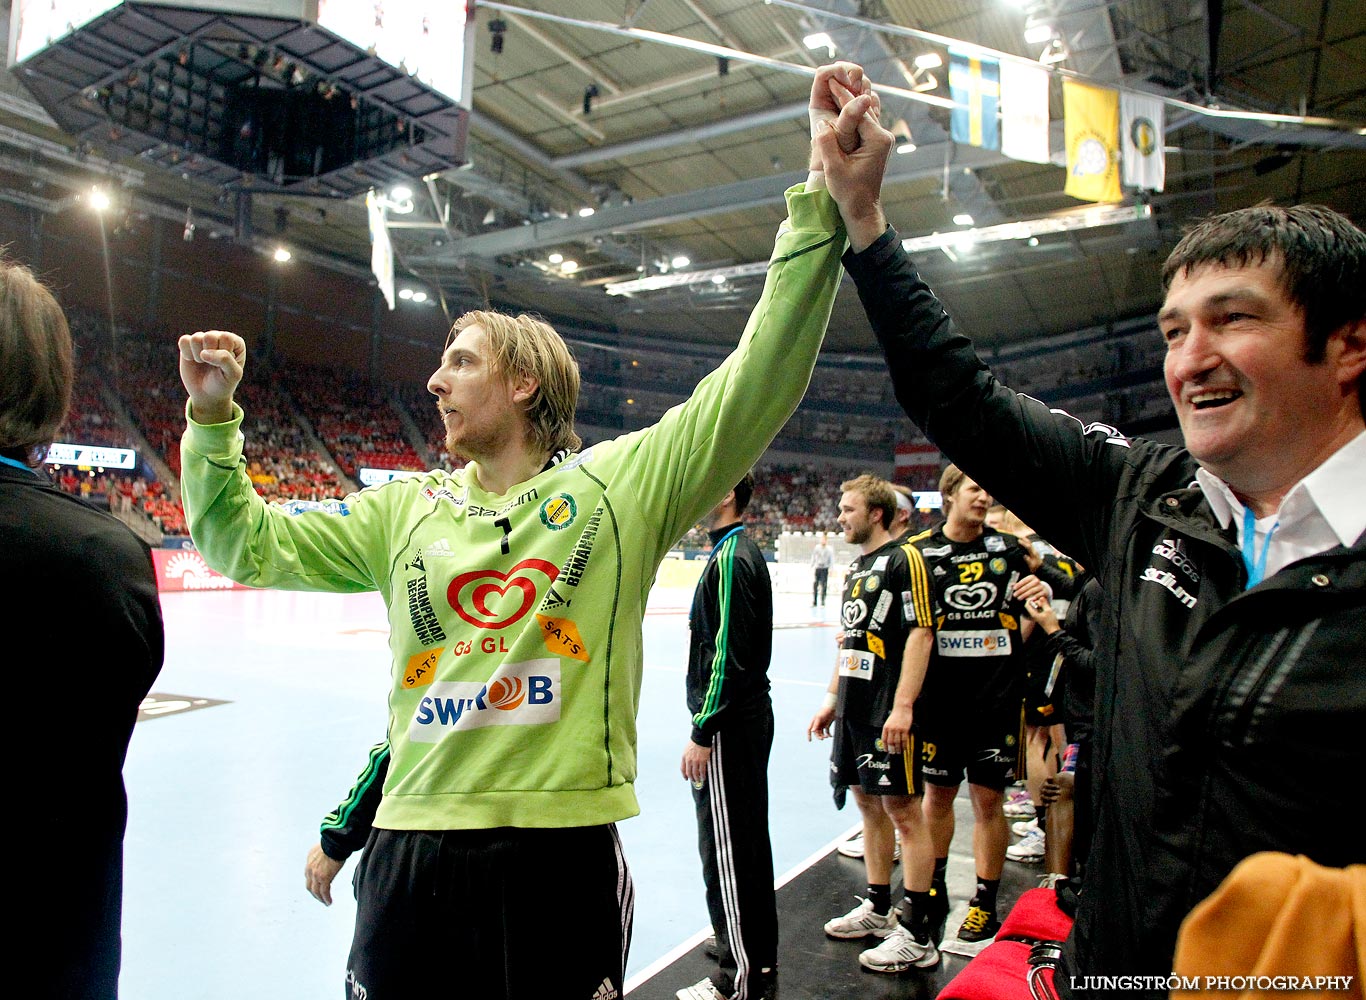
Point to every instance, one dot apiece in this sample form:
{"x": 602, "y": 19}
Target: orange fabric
{"x": 1278, "y": 915}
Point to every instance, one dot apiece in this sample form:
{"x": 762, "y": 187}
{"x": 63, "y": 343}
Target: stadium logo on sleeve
{"x": 296, "y": 507}
{"x": 488, "y": 599}
{"x": 558, "y": 512}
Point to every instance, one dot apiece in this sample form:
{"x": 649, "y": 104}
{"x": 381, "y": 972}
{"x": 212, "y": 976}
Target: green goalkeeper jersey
{"x": 515, "y": 619}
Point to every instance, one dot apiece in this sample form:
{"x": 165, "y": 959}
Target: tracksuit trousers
{"x": 737, "y": 858}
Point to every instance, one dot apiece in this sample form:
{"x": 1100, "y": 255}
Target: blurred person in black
{"x": 86, "y": 578}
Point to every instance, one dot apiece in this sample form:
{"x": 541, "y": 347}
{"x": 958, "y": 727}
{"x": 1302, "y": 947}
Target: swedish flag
{"x": 975, "y": 85}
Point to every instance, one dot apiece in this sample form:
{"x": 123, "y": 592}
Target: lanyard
{"x": 1256, "y": 568}
{"x": 17, "y": 465}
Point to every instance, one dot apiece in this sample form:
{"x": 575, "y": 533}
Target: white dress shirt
{"x": 1324, "y": 509}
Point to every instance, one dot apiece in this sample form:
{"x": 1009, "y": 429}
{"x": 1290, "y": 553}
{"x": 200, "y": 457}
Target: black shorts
{"x": 443, "y": 913}
{"x": 990, "y": 754}
{"x": 859, "y": 759}
{"x": 1043, "y": 691}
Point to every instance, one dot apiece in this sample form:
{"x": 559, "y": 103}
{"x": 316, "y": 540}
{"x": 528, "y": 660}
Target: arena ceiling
{"x": 682, "y": 155}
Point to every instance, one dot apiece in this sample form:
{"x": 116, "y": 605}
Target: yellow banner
{"x": 1092, "y": 130}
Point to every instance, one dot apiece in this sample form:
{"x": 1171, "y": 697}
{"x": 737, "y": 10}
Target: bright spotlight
{"x": 586, "y": 211}
{"x": 680, "y": 261}
{"x": 569, "y": 266}
{"x": 1038, "y": 33}
{"x": 282, "y": 255}
{"x": 556, "y": 258}
{"x": 718, "y": 279}
{"x": 401, "y": 193}
{"x": 962, "y": 219}
{"x": 419, "y": 296}
{"x": 820, "y": 40}
{"x": 99, "y": 199}
{"x": 405, "y": 293}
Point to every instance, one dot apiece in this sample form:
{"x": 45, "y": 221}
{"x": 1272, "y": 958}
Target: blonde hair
{"x": 876, "y": 492}
{"x": 525, "y": 345}
{"x": 36, "y": 370}
{"x": 949, "y": 481}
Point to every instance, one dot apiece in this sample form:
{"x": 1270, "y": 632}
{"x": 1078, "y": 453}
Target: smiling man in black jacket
{"x": 1230, "y": 695}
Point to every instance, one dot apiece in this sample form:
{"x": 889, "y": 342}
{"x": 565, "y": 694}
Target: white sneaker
{"x": 898, "y": 952}
{"x": 701, "y": 991}
{"x": 861, "y": 921}
{"x": 1024, "y": 827}
{"x": 853, "y": 848}
{"x": 1029, "y": 849}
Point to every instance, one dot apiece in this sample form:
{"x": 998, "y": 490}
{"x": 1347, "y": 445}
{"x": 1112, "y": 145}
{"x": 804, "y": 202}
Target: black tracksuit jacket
{"x": 732, "y": 636}
{"x": 1227, "y": 721}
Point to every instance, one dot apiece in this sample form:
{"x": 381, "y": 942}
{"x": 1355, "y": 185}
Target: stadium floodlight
{"x": 556, "y": 258}
{"x": 965, "y": 240}
{"x": 405, "y": 293}
{"x": 282, "y": 255}
{"x": 820, "y": 40}
{"x": 569, "y": 266}
{"x": 98, "y": 199}
{"x": 680, "y": 261}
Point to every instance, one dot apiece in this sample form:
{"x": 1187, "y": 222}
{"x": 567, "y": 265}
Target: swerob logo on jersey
{"x": 970, "y": 597}
{"x": 487, "y": 598}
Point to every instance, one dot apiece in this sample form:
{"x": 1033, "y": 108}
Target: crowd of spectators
{"x": 354, "y": 420}
{"x": 799, "y": 497}
{"x": 361, "y": 424}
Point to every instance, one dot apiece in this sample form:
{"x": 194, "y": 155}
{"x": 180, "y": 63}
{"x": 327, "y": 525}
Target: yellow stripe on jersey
{"x": 920, "y": 586}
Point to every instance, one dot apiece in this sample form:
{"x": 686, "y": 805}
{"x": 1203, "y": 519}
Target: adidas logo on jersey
{"x": 606, "y": 991}
{"x": 440, "y": 547}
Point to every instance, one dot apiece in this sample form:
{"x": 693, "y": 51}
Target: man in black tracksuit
{"x": 346, "y": 829}
{"x": 1230, "y": 699}
{"x": 726, "y": 758}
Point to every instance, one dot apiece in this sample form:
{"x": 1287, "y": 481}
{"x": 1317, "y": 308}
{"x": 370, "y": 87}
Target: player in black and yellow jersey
{"x": 888, "y": 632}
{"x": 971, "y": 721}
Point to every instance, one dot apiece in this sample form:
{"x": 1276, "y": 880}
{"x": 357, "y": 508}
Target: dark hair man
{"x": 73, "y": 567}
{"x": 516, "y": 588}
{"x": 972, "y": 723}
{"x": 1229, "y": 700}
{"x": 726, "y": 756}
{"x": 870, "y": 706}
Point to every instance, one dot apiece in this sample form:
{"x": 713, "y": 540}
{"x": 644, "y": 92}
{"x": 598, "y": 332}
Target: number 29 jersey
{"x": 886, "y": 594}
{"x": 978, "y": 664}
